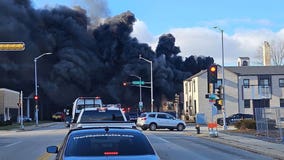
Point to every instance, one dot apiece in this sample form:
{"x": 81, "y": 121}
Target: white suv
{"x": 156, "y": 120}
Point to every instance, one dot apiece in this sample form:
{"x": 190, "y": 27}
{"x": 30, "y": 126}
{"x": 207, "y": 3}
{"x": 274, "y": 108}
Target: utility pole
{"x": 152, "y": 100}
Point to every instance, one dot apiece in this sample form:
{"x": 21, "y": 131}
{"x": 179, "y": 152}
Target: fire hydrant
{"x": 197, "y": 127}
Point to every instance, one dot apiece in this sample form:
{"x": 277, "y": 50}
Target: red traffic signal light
{"x": 125, "y": 84}
{"x": 212, "y": 74}
{"x": 36, "y": 97}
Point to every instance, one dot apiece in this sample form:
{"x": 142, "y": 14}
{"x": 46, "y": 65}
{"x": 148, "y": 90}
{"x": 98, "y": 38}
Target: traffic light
{"x": 212, "y": 74}
{"x": 36, "y": 97}
{"x": 125, "y": 84}
{"x": 219, "y": 92}
{"x": 219, "y": 104}
{"x": 176, "y": 98}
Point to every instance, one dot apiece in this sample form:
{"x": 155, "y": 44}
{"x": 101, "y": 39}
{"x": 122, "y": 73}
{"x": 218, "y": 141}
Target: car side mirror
{"x": 52, "y": 149}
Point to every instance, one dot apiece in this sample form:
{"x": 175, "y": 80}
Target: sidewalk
{"x": 34, "y": 127}
{"x": 249, "y": 143}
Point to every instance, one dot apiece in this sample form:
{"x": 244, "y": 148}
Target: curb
{"x": 34, "y": 127}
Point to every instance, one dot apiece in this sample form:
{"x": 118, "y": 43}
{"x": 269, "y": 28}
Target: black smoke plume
{"x": 86, "y": 61}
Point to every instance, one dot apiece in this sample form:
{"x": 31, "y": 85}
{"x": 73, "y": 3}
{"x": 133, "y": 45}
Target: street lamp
{"x": 223, "y": 80}
{"x": 36, "y": 94}
{"x": 140, "y": 92}
{"x": 152, "y": 100}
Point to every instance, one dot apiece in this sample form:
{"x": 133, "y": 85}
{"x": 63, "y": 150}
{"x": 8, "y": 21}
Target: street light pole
{"x": 140, "y": 92}
{"x": 152, "y": 100}
{"x": 36, "y": 93}
{"x": 223, "y": 77}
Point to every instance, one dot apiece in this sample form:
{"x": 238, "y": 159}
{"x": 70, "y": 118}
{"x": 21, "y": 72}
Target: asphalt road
{"x": 30, "y": 145}
{"x": 170, "y": 145}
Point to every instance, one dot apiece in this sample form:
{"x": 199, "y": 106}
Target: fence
{"x": 270, "y": 122}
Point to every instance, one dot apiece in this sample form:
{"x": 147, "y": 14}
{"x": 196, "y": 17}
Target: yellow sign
{"x": 12, "y": 46}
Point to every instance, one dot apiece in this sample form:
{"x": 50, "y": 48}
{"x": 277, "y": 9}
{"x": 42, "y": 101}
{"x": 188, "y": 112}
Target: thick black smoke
{"x": 86, "y": 62}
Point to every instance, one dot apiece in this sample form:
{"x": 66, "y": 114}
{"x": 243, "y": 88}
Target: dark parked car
{"x": 132, "y": 116}
{"x": 234, "y": 118}
{"x": 105, "y": 143}
{"x": 27, "y": 119}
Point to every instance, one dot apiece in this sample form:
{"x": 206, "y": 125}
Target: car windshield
{"x": 101, "y": 144}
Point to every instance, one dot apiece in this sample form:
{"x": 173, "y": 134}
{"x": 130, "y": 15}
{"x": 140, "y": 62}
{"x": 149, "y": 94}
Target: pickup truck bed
{"x": 102, "y": 117}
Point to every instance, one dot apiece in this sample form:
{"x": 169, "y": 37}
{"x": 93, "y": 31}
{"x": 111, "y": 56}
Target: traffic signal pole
{"x": 223, "y": 81}
{"x": 36, "y": 93}
{"x": 36, "y": 101}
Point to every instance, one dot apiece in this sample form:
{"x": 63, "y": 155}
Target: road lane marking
{"x": 9, "y": 145}
{"x": 45, "y": 156}
{"x": 164, "y": 140}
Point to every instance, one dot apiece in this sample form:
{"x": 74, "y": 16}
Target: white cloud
{"x": 140, "y": 31}
{"x": 207, "y": 42}
{"x": 237, "y": 21}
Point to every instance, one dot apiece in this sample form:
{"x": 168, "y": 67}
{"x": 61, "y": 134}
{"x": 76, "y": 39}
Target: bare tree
{"x": 276, "y": 52}
{"x": 258, "y": 56}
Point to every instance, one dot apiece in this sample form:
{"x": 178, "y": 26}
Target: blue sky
{"x": 246, "y": 23}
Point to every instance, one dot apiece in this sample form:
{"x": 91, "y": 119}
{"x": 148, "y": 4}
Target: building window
{"x": 281, "y": 82}
{"x": 246, "y": 83}
{"x": 193, "y": 85}
{"x": 246, "y": 103}
{"x": 264, "y": 80}
{"x": 281, "y": 102}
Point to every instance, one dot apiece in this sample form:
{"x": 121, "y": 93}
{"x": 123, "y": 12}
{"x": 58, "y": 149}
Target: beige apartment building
{"x": 9, "y": 100}
{"x": 246, "y": 88}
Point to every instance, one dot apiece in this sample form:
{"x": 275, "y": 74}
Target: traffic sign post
{"x": 212, "y": 126}
{"x": 140, "y": 106}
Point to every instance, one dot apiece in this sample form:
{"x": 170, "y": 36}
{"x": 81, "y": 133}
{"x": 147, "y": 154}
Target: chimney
{"x": 266, "y": 54}
{"x": 243, "y": 61}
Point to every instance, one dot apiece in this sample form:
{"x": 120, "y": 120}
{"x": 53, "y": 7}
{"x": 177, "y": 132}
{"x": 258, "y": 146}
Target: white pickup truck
{"x": 102, "y": 117}
{"x": 84, "y": 102}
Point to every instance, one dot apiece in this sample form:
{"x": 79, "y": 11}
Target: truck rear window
{"x": 96, "y": 115}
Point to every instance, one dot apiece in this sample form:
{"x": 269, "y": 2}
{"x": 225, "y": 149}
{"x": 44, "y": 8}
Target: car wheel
{"x": 153, "y": 127}
{"x": 144, "y": 128}
{"x": 180, "y": 127}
